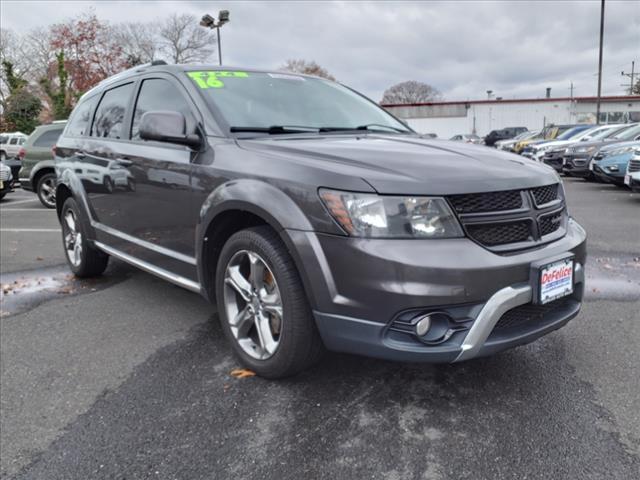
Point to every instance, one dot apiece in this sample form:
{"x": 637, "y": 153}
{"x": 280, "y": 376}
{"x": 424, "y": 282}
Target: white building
{"x": 481, "y": 116}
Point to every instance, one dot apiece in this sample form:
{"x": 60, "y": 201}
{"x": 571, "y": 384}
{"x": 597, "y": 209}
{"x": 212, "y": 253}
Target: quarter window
{"x": 160, "y": 94}
{"x": 109, "y": 116}
{"x": 48, "y": 139}
{"x": 81, "y": 119}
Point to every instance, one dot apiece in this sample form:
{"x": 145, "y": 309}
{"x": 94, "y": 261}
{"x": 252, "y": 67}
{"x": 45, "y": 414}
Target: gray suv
{"x": 314, "y": 219}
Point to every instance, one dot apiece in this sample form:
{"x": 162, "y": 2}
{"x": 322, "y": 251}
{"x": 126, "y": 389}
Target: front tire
{"x": 83, "y": 259}
{"x": 262, "y": 305}
{"x": 46, "y": 190}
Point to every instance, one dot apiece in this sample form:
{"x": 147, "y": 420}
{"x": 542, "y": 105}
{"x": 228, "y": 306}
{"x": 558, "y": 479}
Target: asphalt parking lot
{"x": 129, "y": 377}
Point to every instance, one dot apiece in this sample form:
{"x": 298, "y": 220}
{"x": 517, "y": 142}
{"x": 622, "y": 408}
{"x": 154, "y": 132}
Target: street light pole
{"x": 600, "y": 62}
{"x": 209, "y": 22}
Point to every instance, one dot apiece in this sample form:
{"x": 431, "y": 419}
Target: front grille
{"x": 544, "y": 195}
{"x": 524, "y": 314}
{"x": 634, "y": 165}
{"x": 550, "y": 223}
{"x": 487, "y": 202}
{"x": 501, "y": 233}
{"x": 4, "y": 175}
{"x": 511, "y": 219}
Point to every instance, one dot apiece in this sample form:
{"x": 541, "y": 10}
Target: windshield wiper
{"x": 275, "y": 129}
{"x": 369, "y": 127}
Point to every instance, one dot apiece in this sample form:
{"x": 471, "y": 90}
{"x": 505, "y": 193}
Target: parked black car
{"x": 313, "y": 218}
{"x": 503, "y": 134}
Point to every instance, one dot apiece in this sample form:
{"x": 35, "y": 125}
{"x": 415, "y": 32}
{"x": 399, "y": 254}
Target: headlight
{"x": 370, "y": 215}
{"x": 586, "y": 149}
{"x": 613, "y": 168}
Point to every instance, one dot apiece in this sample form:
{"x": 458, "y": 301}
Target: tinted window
{"x": 81, "y": 119}
{"x": 110, "y": 113}
{"x": 48, "y": 139}
{"x": 13, "y": 141}
{"x": 159, "y": 94}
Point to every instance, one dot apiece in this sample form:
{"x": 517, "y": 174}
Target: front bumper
{"x": 363, "y": 290}
{"x": 554, "y": 159}
{"x": 576, "y": 165}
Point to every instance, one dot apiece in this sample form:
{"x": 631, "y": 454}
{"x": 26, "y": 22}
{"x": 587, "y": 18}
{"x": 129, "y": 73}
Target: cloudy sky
{"x": 515, "y": 48}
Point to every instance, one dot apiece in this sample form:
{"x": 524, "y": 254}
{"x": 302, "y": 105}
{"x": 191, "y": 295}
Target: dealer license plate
{"x": 591, "y": 165}
{"x": 627, "y": 179}
{"x": 556, "y": 280}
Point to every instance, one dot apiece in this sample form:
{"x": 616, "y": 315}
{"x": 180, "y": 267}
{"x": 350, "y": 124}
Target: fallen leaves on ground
{"x": 242, "y": 373}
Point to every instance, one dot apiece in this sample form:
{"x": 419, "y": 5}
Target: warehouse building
{"x": 481, "y": 116}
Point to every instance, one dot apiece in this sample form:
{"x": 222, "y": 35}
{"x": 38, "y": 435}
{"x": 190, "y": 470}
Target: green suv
{"x": 38, "y": 172}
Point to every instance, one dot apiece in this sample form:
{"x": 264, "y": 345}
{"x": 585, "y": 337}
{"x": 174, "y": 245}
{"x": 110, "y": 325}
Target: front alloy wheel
{"x": 253, "y": 304}
{"x": 263, "y": 309}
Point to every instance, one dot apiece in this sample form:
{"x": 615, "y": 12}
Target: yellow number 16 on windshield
{"x": 212, "y": 79}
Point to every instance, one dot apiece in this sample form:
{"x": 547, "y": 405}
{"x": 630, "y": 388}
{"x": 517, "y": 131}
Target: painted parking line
{"x": 30, "y": 230}
{"x": 52, "y": 210}
{"x": 18, "y": 202}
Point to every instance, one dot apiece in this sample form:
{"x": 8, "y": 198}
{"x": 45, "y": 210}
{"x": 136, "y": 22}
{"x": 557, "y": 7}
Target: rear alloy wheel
{"x": 262, "y": 305}
{"x": 46, "y": 190}
{"x": 83, "y": 258}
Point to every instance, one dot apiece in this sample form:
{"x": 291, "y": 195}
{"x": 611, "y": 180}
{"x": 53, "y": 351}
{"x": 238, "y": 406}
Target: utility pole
{"x": 600, "y": 62}
{"x": 571, "y": 91}
{"x": 631, "y": 76}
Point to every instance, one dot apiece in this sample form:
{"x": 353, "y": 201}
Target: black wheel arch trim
{"x": 68, "y": 180}
{"x": 247, "y": 196}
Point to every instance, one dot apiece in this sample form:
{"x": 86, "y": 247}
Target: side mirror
{"x": 167, "y": 126}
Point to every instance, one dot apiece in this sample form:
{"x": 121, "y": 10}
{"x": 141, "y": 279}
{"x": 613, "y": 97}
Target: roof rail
{"x": 135, "y": 68}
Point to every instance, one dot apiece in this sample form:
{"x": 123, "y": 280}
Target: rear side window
{"x": 48, "y": 139}
{"x": 160, "y": 94}
{"x": 81, "y": 119}
{"x": 109, "y": 116}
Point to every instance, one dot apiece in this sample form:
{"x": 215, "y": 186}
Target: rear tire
{"x": 108, "y": 184}
{"x": 83, "y": 259}
{"x": 298, "y": 342}
{"x": 46, "y": 190}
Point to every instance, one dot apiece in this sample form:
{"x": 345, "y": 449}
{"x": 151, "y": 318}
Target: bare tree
{"x": 138, "y": 41}
{"x": 308, "y": 68}
{"x": 410, "y": 92}
{"x": 183, "y": 40}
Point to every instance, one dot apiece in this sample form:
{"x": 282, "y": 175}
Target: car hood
{"x": 617, "y": 145}
{"x": 595, "y": 143}
{"x": 398, "y": 164}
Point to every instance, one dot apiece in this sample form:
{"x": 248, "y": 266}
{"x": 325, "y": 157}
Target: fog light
{"x": 423, "y": 326}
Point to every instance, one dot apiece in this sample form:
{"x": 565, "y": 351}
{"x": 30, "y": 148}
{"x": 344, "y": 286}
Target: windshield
{"x": 628, "y": 133}
{"x": 257, "y": 100}
{"x": 572, "y": 132}
{"x": 605, "y": 132}
{"x": 523, "y": 135}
